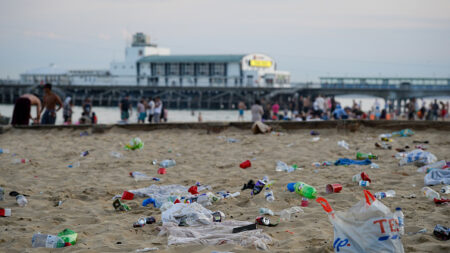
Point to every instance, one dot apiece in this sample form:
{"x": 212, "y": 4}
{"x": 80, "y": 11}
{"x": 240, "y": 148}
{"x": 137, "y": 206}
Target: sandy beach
{"x": 87, "y": 191}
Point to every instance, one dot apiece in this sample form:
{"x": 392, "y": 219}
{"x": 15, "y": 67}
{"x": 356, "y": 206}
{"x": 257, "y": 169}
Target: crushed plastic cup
{"x": 333, "y": 188}
{"x": 127, "y": 195}
{"x": 245, "y": 164}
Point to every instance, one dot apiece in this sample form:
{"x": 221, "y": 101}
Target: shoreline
{"x": 352, "y": 125}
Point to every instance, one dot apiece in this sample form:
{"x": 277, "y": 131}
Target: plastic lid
{"x": 398, "y": 209}
{"x": 291, "y": 187}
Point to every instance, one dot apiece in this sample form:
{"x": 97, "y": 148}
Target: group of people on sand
{"x": 47, "y": 109}
{"x": 51, "y": 104}
{"x": 147, "y": 109}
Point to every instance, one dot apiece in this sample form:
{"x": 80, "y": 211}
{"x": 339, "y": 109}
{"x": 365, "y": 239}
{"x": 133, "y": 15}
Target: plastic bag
{"x": 419, "y": 157}
{"x": 192, "y": 214}
{"x": 368, "y": 226}
{"x": 437, "y": 176}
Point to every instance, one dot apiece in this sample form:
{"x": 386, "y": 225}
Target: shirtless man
{"x": 22, "y": 110}
{"x": 50, "y": 101}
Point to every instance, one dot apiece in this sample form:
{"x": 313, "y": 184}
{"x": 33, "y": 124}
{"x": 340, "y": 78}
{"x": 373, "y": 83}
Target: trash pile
{"x": 190, "y": 215}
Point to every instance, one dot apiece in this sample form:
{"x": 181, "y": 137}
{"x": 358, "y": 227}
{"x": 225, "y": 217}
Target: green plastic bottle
{"x": 364, "y": 156}
{"x": 304, "y": 190}
{"x": 68, "y": 236}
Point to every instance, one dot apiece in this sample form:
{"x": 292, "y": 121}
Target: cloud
{"x": 104, "y": 36}
{"x": 45, "y": 35}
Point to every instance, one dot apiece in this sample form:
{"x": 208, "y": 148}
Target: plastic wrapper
{"x": 437, "y": 176}
{"x": 419, "y": 157}
{"x": 216, "y": 233}
{"x": 192, "y": 214}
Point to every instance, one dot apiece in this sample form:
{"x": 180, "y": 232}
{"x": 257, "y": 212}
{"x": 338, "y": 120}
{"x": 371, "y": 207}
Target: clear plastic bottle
{"x": 343, "y": 144}
{"x": 264, "y": 210}
{"x": 21, "y": 200}
{"x": 116, "y": 154}
{"x": 286, "y": 214}
{"x": 74, "y": 165}
{"x": 167, "y": 163}
{"x": 20, "y": 160}
{"x": 269, "y": 196}
{"x": 47, "y": 241}
{"x": 430, "y": 193}
{"x": 445, "y": 189}
{"x": 4, "y": 151}
{"x": 139, "y": 176}
{"x": 401, "y": 220}
{"x": 234, "y": 195}
{"x": 281, "y": 166}
{"x": 387, "y": 194}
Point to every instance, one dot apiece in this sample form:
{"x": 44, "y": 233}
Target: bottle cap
{"x": 291, "y": 187}
{"x": 398, "y": 209}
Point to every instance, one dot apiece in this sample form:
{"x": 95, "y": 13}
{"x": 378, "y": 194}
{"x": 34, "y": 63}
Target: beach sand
{"x": 87, "y": 191}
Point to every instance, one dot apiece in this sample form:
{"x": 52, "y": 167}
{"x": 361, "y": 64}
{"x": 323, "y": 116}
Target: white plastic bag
{"x": 369, "y": 226}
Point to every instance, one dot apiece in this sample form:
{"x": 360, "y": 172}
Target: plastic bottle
{"x": 167, "y": 163}
{"x": 139, "y": 176}
{"x": 269, "y": 196}
{"x": 303, "y": 189}
{"x": 401, "y": 220}
{"x": 364, "y": 156}
{"x": 430, "y": 193}
{"x": 387, "y": 194}
{"x": 264, "y": 210}
{"x": 2, "y": 193}
{"x": 20, "y": 160}
{"x": 364, "y": 183}
{"x": 286, "y": 214}
{"x": 281, "y": 166}
{"x": 74, "y": 165}
{"x": 47, "y": 241}
{"x": 437, "y": 165}
{"x": 116, "y": 154}
{"x": 445, "y": 189}
{"x": 21, "y": 200}
{"x": 4, "y": 151}
{"x": 343, "y": 144}
{"x": 5, "y": 212}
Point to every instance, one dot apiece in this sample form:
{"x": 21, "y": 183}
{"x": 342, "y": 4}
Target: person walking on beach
{"x": 158, "y": 110}
{"x": 257, "y": 111}
{"x": 151, "y": 109}
{"x": 241, "y": 107}
{"x": 50, "y": 102}
{"x": 67, "y": 110}
{"x": 275, "y": 109}
{"x": 125, "y": 108}
{"x": 141, "y": 111}
{"x": 22, "y": 110}
{"x": 87, "y": 107}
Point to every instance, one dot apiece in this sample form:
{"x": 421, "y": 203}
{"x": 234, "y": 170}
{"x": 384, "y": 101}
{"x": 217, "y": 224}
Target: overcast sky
{"x": 308, "y": 38}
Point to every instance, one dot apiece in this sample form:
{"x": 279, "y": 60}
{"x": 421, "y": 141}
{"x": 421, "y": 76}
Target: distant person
{"x": 158, "y": 110}
{"x": 200, "y": 118}
{"x": 165, "y": 114}
{"x": 50, "y": 102}
{"x": 87, "y": 107}
{"x": 94, "y": 118}
{"x": 151, "y": 109}
{"x": 22, "y": 110}
{"x": 275, "y": 110}
{"x": 435, "y": 110}
{"x": 84, "y": 119}
{"x": 125, "y": 108}
{"x": 257, "y": 111}
{"x": 241, "y": 107}
{"x": 67, "y": 110}
{"x": 141, "y": 111}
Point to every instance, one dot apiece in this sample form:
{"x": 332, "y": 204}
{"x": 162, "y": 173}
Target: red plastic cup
{"x": 193, "y": 190}
{"x": 127, "y": 195}
{"x": 333, "y": 188}
{"x": 162, "y": 171}
{"x": 365, "y": 177}
{"x": 245, "y": 164}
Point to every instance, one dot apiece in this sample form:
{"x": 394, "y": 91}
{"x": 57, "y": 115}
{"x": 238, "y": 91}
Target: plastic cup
{"x": 245, "y": 164}
{"x": 127, "y": 195}
{"x": 333, "y": 188}
{"x": 305, "y": 202}
{"x": 162, "y": 171}
{"x": 365, "y": 177}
